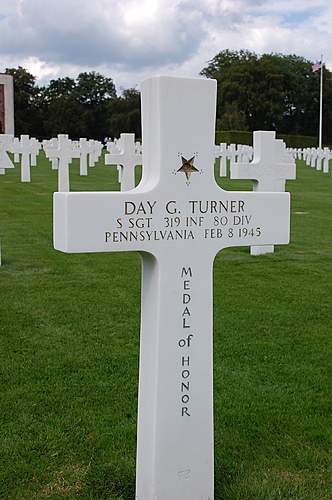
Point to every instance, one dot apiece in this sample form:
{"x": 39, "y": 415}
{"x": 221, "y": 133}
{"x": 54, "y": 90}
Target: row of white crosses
{"x": 89, "y": 153}
{"x": 25, "y": 150}
{"x": 61, "y": 151}
{"x": 178, "y": 219}
{"x": 234, "y": 153}
{"x": 313, "y": 157}
{"x": 317, "y": 158}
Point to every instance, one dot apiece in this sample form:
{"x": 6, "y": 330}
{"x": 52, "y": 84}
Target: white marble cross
{"x": 244, "y": 153}
{"x": 222, "y": 150}
{"x": 25, "y": 158}
{"x": 34, "y": 151}
{"x": 326, "y": 160}
{"x": 128, "y": 158}
{"x": 51, "y": 150}
{"x": 113, "y": 148}
{"x": 16, "y": 149}
{"x": 6, "y": 146}
{"x": 231, "y": 154}
{"x": 178, "y": 219}
{"x": 313, "y": 157}
{"x": 269, "y": 170}
{"x": 66, "y": 152}
{"x": 85, "y": 149}
{"x": 95, "y": 150}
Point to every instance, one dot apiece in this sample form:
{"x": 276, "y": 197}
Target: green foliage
{"x": 79, "y": 107}
{"x": 125, "y": 114}
{"x": 243, "y": 137}
{"x": 69, "y": 349}
{"x": 268, "y": 92}
{"x": 234, "y": 137}
{"x": 232, "y": 118}
{"x": 61, "y": 109}
{"x": 274, "y": 91}
{"x": 87, "y": 106}
{"x": 93, "y": 88}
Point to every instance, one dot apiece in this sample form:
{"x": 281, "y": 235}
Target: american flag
{"x": 316, "y": 67}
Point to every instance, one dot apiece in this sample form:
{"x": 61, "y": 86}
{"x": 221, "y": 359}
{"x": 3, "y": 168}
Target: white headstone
{"x": 178, "y": 219}
{"x": 223, "y": 159}
{"x": 128, "y": 158}
{"x": 25, "y": 158}
{"x": 85, "y": 148}
{"x": 95, "y": 149}
{"x": 34, "y": 151}
{"x": 66, "y": 152}
{"x": 51, "y": 151}
{"x": 16, "y": 149}
{"x": 269, "y": 170}
{"x": 313, "y": 158}
{"x": 326, "y": 160}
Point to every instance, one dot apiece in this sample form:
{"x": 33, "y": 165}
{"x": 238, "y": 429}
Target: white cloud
{"x": 131, "y": 39}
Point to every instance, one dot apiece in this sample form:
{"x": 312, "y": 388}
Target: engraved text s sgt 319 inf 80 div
{"x": 178, "y": 219}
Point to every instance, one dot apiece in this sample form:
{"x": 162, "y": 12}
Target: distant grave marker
{"x": 269, "y": 170}
{"x": 51, "y": 150}
{"x": 84, "y": 154}
{"x": 326, "y": 160}
{"x": 34, "y": 151}
{"x": 25, "y": 158}
{"x": 128, "y": 158}
{"x": 66, "y": 152}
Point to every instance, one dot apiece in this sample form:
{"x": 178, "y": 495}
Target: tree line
{"x": 267, "y": 92}
{"x": 87, "y": 106}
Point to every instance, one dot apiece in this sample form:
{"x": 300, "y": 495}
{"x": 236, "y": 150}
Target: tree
{"x": 95, "y": 94}
{"x": 273, "y": 91}
{"x": 94, "y": 88}
{"x": 125, "y": 114}
{"x": 78, "y": 107}
{"x": 232, "y": 118}
{"x": 60, "y": 108}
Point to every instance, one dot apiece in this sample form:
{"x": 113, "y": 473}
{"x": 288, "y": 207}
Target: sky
{"x": 130, "y": 40}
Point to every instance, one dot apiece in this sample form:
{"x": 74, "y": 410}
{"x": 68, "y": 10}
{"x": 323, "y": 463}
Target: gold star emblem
{"x": 188, "y": 167}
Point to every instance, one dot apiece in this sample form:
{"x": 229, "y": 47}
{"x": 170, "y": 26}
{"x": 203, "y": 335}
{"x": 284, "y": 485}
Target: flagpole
{"x": 321, "y": 105}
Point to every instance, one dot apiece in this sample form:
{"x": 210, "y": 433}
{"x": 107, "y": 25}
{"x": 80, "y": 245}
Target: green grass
{"x": 69, "y": 339}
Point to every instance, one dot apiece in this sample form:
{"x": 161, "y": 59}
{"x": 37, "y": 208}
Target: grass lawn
{"x": 69, "y": 340}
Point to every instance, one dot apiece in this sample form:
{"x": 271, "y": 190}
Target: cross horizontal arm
{"x": 114, "y": 159}
{"x": 120, "y": 159}
{"x": 152, "y": 222}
